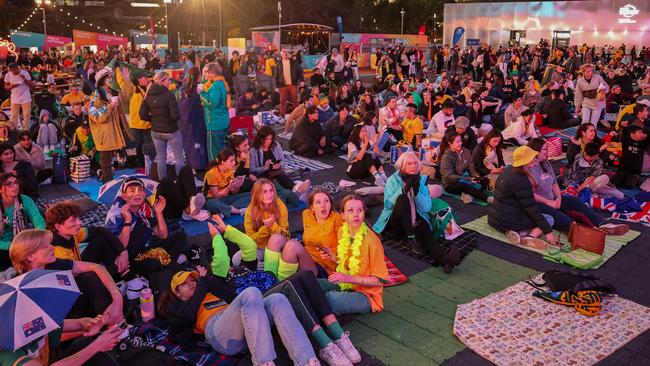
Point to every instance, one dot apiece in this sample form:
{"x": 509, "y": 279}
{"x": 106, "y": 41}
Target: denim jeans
{"x": 591, "y": 115}
{"x": 160, "y": 141}
{"x": 348, "y": 302}
{"x": 222, "y": 205}
{"x": 562, "y": 221}
{"x": 246, "y": 323}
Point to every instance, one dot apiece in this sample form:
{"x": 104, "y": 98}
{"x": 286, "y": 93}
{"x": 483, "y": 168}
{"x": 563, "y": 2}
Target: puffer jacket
{"x": 160, "y": 108}
{"x": 453, "y": 166}
{"x": 514, "y": 206}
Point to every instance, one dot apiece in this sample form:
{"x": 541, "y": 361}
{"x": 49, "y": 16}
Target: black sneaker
{"x": 452, "y": 259}
{"x": 414, "y": 246}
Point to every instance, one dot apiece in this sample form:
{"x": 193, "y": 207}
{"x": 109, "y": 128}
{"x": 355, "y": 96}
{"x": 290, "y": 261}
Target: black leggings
{"x": 5, "y": 261}
{"x": 458, "y": 188}
{"x": 306, "y": 298}
{"x": 361, "y": 169}
{"x": 94, "y": 298}
{"x": 400, "y": 225}
{"x": 99, "y": 359}
{"x": 282, "y": 179}
{"x": 178, "y": 193}
{"x": 104, "y": 247}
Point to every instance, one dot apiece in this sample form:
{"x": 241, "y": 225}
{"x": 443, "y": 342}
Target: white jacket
{"x": 519, "y": 132}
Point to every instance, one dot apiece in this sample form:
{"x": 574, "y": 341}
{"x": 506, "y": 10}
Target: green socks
{"x": 271, "y": 261}
{"x": 220, "y": 258}
{"x": 286, "y": 269}
{"x": 243, "y": 241}
{"x": 321, "y": 338}
{"x": 335, "y": 330}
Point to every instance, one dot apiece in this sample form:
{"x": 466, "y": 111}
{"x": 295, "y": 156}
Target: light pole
{"x": 402, "y": 13}
{"x": 435, "y": 16}
{"x": 279, "y": 24}
{"x": 41, "y": 4}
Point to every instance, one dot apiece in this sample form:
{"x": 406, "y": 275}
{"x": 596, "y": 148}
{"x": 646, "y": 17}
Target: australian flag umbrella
{"x": 34, "y": 304}
{"x": 109, "y": 191}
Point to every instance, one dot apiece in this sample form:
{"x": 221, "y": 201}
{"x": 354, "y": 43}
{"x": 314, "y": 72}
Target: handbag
{"x": 587, "y": 238}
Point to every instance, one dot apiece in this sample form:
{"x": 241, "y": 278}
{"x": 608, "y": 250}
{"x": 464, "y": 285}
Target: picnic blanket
{"x": 511, "y": 327}
{"x": 297, "y": 163}
{"x": 567, "y": 133}
{"x": 612, "y": 243}
{"x": 634, "y": 208}
{"x": 395, "y": 276}
{"x": 466, "y": 242}
{"x": 152, "y": 335}
{"x": 457, "y": 196}
{"x": 94, "y": 217}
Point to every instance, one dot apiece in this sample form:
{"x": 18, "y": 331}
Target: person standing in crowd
{"x": 141, "y": 129}
{"x": 160, "y": 108}
{"x": 19, "y": 82}
{"x": 588, "y": 100}
{"x": 215, "y": 99}
{"x": 107, "y": 119}
{"x": 192, "y": 122}
{"x": 287, "y": 78}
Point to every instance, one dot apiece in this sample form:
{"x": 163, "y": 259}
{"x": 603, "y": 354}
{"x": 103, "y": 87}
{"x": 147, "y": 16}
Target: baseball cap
{"x": 181, "y": 277}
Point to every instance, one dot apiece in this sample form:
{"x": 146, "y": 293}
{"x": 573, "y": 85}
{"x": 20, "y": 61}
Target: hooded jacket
{"x": 160, "y": 108}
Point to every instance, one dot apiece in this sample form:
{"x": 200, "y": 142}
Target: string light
{"x": 19, "y": 28}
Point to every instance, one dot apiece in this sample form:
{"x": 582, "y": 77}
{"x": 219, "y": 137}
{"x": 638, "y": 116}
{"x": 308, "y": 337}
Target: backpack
{"x": 572, "y": 281}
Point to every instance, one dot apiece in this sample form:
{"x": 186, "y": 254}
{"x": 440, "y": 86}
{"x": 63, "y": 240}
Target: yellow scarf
{"x": 353, "y": 262}
{"x": 208, "y": 85}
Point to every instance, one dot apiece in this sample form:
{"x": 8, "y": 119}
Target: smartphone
{"x": 214, "y": 304}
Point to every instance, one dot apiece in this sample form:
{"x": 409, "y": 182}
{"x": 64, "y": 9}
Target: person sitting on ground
{"x": 232, "y": 323}
{"x": 640, "y": 117}
{"x": 362, "y": 157}
{"x": 308, "y": 138}
{"x": 487, "y": 157}
{"x": 461, "y": 126}
{"x": 489, "y": 105}
{"x": 357, "y": 285}
{"x": 550, "y": 200}
{"x": 457, "y": 170}
{"x": 221, "y": 187}
{"x": 239, "y": 144}
{"x": 142, "y": 229}
{"x": 75, "y": 119}
{"x": 426, "y": 110}
{"x": 441, "y": 120}
{"x": 558, "y": 112}
{"x": 514, "y": 209}
{"x": 586, "y": 134}
{"x": 247, "y": 105}
{"x": 267, "y": 222}
{"x": 518, "y": 133}
{"x": 338, "y": 128}
{"x": 635, "y": 142}
{"x": 321, "y": 224}
{"x": 475, "y": 114}
{"x": 325, "y": 111}
{"x": 19, "y": 212}
{"x": 531, "y": 96}
{"x": 47, "y": 132}
{"x": 390, "y": 119}
{"x": 23, "y": 170}
{"x": 407, "y": 193}
{"x": 412, "y": 126}
{"x": 74, "y": 96}
{"x": 33, "y": 154}
{"x": 513, "y": 112}
{"x": 32, "y": 249}
{"x": 182, "y": 198}
{"x": 587, "y": 171}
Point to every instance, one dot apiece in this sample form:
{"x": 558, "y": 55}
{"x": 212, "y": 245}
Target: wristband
{"x": 127, "y": 224}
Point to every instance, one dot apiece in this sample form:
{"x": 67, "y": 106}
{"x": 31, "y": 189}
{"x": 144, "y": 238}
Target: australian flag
{"x": 33, "y": 326}
{"x": 64, "y": 280}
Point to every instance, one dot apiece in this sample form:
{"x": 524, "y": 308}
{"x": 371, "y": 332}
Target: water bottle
{"x": 147, "y": 308}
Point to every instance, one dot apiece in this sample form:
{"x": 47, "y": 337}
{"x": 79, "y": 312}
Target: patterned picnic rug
{"x": 466, "y": 242}
{"x": 297, "y": 163}
{"x": 612, "y": 244}
{"x": 511, "y": 327}
{"x": 567, "y": 133}
{"x": 93, "y": 217}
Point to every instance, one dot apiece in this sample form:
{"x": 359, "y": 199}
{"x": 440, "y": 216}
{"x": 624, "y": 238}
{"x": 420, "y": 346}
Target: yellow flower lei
{"x": 343, "y": 250}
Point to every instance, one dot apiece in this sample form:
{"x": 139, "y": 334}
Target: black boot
{"x": 415, "y": 247}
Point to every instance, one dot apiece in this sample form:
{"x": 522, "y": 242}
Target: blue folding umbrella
{"x": 109, "y": 191}
{"x": 34, "y": 304}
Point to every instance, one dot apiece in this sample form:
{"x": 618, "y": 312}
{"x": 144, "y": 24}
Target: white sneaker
{"x": 302, "y": 187}
{"x": 196, "y": 203}
{"x": 379, "y": 181}
{"x": 202, "y": 215}
{"x": 513, "y": 237}
{"x": 348, "y": 349}
{"x": 182, "y": 259}
{"x": 333, "y": 356}
{"x": 466, "y": 198}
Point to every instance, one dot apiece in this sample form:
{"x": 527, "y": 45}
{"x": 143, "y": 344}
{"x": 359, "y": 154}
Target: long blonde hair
{"x": 256, "y": 208}
{"x": 26, "y": 243}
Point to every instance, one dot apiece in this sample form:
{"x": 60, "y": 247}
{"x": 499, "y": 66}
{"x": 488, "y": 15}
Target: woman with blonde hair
{"x": 32, "y": 249}
{"x": 267, "y": 222}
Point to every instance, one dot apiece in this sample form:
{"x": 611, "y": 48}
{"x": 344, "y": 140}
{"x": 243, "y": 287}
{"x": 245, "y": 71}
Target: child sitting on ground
{"x": 83, "y": 144}
{"x": 587, "y": 171}
{"x": 634, "y": 143}
{"x": 47, "y": 132}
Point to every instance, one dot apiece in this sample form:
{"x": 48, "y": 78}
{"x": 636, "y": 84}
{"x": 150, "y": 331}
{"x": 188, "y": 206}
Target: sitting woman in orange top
{"x": 267, "y": 222}
{"x": 357, "y": 286}
{"x": 321, "y": 225}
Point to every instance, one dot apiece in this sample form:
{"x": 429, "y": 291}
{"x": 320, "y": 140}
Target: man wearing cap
{"x": 140, "y": 128}
{"x": 246, "y": 104}
{"x": 19, "y": 82}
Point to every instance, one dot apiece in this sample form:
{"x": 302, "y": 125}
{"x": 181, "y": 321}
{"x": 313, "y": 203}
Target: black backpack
{"x": 573, "y": 281}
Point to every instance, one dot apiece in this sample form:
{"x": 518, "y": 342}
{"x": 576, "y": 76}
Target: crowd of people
{"x": 450, "y": 114}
